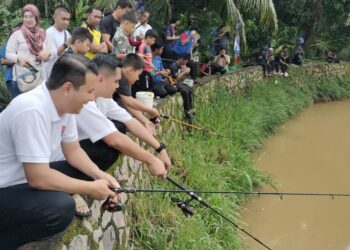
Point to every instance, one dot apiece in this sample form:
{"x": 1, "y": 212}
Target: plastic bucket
{"x": 146, "y": 98}
{"x": 188, "y": 82}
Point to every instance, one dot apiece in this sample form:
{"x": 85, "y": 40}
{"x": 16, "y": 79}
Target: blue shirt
{"x": 169, "y": 44}
{"x": 180, "y": 49}
{"x": 158, "y": 64}
{"x": 8, "y": 70}
{"x": 222, "y": 42}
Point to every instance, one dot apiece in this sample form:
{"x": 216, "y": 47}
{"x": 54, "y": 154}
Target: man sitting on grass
{"x": 179, "y": 72}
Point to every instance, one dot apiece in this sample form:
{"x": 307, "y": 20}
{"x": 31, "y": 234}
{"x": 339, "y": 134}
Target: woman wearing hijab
{"x": 26, "y": 45}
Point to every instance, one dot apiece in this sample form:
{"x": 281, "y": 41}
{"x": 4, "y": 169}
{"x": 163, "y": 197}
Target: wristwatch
{"x": 161, "y": 147}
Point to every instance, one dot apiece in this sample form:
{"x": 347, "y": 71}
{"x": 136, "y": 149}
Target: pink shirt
{"x": 146, "y": 52}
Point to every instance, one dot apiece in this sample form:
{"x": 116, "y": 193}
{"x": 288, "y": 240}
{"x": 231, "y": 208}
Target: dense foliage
{"x": 325, "y": 23}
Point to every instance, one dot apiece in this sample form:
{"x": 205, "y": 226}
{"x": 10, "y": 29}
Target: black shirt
{"x": 124, "y": 89}
{"x": 109, "y": 26}
{"x": 175, "y": 70}
{"x": 68, "y": 51}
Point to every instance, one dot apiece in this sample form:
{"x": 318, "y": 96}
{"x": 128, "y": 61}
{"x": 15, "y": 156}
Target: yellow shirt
{"x": 97, "y": 37}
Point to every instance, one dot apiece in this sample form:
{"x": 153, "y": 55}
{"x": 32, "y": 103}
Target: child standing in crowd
{"x": 145, "y": 52}
{"x": 110, "y": 23}
{"x": 120, "y": 40}
{"x": 81, "y": 41}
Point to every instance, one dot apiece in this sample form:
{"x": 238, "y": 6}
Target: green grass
{"x": 202, "y": 161}
{"x": 4, "y": 94}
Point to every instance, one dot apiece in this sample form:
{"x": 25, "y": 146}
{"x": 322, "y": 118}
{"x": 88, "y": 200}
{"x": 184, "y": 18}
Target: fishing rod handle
{"x": 125, "y": 190}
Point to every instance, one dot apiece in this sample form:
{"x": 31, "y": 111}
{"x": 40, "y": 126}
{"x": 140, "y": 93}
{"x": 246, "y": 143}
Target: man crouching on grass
{"x": 35, "y": 200}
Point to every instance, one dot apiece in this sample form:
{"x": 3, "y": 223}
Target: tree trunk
{"x": 46, "y": 5}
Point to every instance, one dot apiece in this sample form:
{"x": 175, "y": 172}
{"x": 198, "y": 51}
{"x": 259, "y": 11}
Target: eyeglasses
{"x": 28, "y": 17}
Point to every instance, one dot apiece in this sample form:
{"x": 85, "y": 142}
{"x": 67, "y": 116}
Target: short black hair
{"x": 70, "y": 68}
{"x": 133, "y": 60}
{"x": 220, "y": 48}
{"x": 107, "y": 62}
{"x": 143, "y": 12}
{"x": 157, "y": 45}
{"x": 130, "y": 17}
{"x": 91, "y": 8}
{"x": 174, "y": 19}
{"x": 185, "y": 57}
{"x": 151, "y": 33}
{"x": 193, "y": 28}
{"x": 60, "y": 8}
{"x": 81, "y": 34}
{"x": 124, "y": 4}
{"x": 221, "y": 26}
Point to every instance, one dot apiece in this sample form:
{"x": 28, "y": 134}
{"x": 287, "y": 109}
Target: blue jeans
{"x": 12, "y": 87}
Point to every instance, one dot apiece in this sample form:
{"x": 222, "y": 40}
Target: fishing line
{"x": 195, "y": 127}
{"x": 185, "y": 207}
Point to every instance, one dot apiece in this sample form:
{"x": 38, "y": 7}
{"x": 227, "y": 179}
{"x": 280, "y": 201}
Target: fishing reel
{"x": 184, "y": 206}
{"x": 155, "y": 120}
{"x": 111, "y": 206}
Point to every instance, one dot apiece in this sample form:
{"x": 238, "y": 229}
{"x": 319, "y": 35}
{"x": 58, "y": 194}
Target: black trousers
{"x": 284, "y": 68}
{"x": 187, "y": 96}
{"x": 143, "y": 84}
{"x": 29, "y": 215}
{"x": 100, "y": 153}
{"x": 163, "y": 89}
{"x": 194, "y": 69}
{"x": 217, "y": 70}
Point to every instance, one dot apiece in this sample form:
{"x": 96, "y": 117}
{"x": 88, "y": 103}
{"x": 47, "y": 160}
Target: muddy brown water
{"x": 310, "y": 153}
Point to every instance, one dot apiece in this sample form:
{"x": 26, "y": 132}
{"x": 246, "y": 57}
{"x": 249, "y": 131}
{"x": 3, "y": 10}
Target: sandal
{"x": 80, "y": 203}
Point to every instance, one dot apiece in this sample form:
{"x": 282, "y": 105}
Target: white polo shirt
{"x": 141, "y": 30}
{"x": 93, "y": 122}
{"x": 54, "y": 40}
{"x": 31, "y": 131}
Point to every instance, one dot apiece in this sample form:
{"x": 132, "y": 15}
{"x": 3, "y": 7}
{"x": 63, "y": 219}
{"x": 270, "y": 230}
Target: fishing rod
{"x": 280, "y": 194}
{"x": 183, "y": 205}
{"x": 138, "y": 26}
{"x": 194, "y": 196}
{"x": 195, "y": 127}
{"x": 188, "y": 210}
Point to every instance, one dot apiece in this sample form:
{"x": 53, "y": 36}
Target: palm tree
{"x": 229, "y": 10}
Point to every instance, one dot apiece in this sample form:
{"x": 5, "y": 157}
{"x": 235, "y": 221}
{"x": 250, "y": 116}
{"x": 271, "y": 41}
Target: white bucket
{"x": 146, "y": 98}
{"x": 188, "y": 82}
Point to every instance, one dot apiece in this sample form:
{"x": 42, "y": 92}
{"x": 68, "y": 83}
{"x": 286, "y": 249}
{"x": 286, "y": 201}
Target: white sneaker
{"x": 286, "y": 74}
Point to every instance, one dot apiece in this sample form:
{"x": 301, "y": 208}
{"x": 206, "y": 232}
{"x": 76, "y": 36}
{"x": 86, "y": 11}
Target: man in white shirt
{"x": 142, "y": 26}
{"x": 34, "y": 191}
{"x": 97, "y": 130}
{"x": 57, "y": 37}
